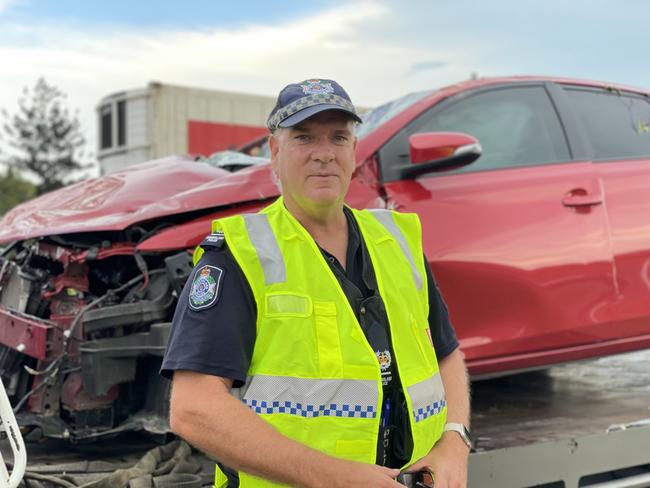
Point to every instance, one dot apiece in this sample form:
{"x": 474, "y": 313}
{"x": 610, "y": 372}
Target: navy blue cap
{"x": 299, "y": 101}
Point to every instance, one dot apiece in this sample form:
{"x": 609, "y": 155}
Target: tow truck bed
{"x": 554, "y": 428}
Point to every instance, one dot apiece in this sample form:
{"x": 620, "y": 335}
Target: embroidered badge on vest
{"x": 384, "y": 359}
{"x": 205, "y": 287}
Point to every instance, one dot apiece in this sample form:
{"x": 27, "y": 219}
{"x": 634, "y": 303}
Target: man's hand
{"x": 447, "y": 460}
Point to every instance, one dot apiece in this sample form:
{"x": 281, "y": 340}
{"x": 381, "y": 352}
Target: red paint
{"x": 627, "y": 189}
{"x": 206, "y": 138}
{"x": 142, "y": 192}
{"x": 190, "y": 234}
{"x": 33, "y": 334}
{"x": 527, "y": 274}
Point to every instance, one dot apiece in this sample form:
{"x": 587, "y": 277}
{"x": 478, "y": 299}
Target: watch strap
{"x": 461, "y": 430}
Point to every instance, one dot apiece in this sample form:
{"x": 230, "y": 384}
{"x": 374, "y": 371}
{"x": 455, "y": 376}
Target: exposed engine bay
{"x": 84, "y": 321}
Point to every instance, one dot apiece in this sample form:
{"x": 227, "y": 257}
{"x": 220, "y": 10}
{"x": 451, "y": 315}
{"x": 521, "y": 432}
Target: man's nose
{"x": 323, "y": 151}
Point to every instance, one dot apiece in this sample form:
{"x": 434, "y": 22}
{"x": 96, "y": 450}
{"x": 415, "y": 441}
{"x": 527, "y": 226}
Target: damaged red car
{"x": 534, "y": 196}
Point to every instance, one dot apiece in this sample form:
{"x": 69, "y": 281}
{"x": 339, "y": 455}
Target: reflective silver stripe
{"x": 311, "y": 397}
{"x": 386, "y": 218}
{"x": 268, "y": 251}
{"x": 427, "y": 397}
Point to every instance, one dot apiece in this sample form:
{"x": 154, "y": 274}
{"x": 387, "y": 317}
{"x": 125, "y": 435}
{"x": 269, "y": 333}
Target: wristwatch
{"x": 462, "y": 431}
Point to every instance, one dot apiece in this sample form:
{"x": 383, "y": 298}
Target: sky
{"x": 378, "y": 50}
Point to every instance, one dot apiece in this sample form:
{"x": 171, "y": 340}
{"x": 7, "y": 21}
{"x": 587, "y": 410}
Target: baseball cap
{"x": 299, "y": 101}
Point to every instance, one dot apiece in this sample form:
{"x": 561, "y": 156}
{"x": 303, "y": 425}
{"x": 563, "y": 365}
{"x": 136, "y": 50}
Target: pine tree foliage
{"x": 46, "y": 137}
{"x": 14, "y": 190}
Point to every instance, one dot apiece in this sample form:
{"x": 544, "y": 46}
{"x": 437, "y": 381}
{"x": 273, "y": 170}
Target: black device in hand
{"x": 420, "y": 479}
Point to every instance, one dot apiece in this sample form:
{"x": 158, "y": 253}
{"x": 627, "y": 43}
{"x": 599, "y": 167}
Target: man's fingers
{"x": 419, "y": 466}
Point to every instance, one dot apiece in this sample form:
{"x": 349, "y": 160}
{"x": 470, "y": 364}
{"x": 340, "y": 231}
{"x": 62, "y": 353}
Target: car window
{"x": 515, "y": 126}
{"x": 617, "y": 123}
{"x": 381, "y": 114}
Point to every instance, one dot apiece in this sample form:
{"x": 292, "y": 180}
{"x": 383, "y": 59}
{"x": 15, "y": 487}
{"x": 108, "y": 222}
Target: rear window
{"x": 617, "y": 123}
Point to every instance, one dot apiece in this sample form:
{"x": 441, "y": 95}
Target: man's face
{"x": 314, "y": 160}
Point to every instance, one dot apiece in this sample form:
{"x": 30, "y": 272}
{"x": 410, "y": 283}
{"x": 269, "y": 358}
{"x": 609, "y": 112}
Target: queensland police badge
{"x": 205, "y": 287}
{"x": 315, "y": 87}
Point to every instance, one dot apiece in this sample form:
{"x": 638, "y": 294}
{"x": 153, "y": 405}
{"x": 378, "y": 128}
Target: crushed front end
{"x": 84, "y": 321}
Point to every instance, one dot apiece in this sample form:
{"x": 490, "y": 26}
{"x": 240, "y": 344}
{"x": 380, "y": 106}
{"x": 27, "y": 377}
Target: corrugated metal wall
{"x": 174, "y": 107}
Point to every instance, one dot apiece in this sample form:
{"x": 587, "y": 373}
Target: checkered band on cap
{"x": 306, "y": 102}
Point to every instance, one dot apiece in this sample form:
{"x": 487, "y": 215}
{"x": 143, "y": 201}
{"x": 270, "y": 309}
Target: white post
{"x": 10, "y": 426}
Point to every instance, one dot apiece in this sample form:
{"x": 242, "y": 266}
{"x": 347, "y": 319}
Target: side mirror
{"x": 436, "y": 151}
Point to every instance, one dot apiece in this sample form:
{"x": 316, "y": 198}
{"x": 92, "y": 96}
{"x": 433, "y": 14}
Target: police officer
{"x": 310, "y": 346}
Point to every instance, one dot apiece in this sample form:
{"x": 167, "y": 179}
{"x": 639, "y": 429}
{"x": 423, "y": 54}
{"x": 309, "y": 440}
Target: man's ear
{"x": 274, "y": 146}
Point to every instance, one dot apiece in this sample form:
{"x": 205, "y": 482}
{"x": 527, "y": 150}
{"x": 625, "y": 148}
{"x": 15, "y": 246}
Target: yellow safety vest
{"x": 313, "y": 374}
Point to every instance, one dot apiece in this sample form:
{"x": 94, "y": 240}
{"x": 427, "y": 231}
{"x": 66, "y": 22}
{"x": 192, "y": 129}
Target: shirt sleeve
{"x": 443, "y": 334}
{"x": 213, "y": 329}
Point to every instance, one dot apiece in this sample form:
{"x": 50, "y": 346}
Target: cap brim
{"x": 305, "y": 113}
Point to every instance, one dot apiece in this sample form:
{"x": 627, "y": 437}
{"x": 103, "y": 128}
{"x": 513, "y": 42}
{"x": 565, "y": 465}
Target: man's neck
{"x": 319, "y": 220}
{"x": 328, "y": 226}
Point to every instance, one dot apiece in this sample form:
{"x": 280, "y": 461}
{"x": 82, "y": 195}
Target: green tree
{"x": 14, "y": 190}
{"x": 46, "y": 137}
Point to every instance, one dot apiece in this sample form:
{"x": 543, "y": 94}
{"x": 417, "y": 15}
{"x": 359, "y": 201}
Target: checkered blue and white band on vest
{"x": 310, "y": 397}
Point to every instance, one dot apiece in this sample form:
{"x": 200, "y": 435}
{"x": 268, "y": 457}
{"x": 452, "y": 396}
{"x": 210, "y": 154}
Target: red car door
{"x": 518, "y": 240}
{"x": 617, "y": 125}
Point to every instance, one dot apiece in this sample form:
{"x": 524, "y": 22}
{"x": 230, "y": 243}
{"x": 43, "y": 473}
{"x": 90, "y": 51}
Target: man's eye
{"x": 302, "y": 137}
{"x": 341, "y": 139}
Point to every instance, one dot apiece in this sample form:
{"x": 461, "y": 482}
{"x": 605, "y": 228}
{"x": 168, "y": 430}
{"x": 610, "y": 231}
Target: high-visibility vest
{"x": 313, "y": 374}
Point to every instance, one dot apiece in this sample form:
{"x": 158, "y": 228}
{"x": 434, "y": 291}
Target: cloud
{"x": 4, "y": 4}
{"x": 425, "y": 66}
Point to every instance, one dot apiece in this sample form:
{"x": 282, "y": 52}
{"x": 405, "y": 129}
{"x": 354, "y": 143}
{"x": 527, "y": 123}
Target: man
{"x": 323, "y": 319}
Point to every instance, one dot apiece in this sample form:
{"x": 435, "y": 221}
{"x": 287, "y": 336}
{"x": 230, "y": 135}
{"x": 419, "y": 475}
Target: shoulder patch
{"x": 205, "y": 287}
{"x": 214, "y": 240}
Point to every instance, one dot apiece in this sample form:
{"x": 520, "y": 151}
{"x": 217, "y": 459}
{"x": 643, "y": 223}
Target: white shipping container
{"x": 160, "y": 120}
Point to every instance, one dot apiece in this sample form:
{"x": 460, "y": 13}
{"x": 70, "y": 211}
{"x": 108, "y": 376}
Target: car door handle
{"x": 580, "y": 198}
